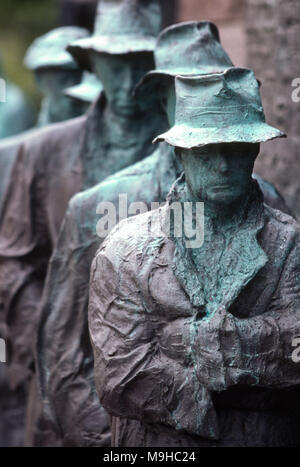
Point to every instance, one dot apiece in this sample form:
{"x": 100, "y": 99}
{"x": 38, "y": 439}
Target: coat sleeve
{"x": 135, "y": 377}
{"x": 264, "y": 350}
{"x": 23, "y": 257}
{"x": 65, "y": 358}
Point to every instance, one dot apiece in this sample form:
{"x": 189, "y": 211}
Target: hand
{"x": 214, "y": 343}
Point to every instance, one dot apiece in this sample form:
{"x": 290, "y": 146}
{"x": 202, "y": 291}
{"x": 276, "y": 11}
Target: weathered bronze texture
{"x": 55, "y": 69}
{"x": 147, "y": 181}
{"x": 192, "y": 346}
{"x": 121, "y": 27}
{"x": 15, "y": 111}
{"x": 68, "y": 388}
{"x": 56, "y": 162}
{"x": 204, "y": 116}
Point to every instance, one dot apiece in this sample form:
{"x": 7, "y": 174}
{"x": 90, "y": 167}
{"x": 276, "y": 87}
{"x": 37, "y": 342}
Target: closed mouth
{"x": 222, "y": 187}
{"x": 126, "y": 107}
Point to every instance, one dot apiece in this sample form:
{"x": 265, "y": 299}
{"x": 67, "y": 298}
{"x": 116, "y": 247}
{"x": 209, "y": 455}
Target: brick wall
{"x": 229, "y": 17}
{"x": 216, "y": 10}
{"x": 273, "y": 35}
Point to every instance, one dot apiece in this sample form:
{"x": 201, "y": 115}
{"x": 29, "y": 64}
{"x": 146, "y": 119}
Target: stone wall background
{"x": 82, "y": 12}
{"x": 273, "y": 47}
{"x": 264, "y": 35}
{"x": 229, "y": 15}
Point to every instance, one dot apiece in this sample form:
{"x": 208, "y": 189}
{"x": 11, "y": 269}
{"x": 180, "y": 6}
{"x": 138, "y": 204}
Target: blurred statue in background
{"x": 193, "y": 328}
{"x": 15, "y": 117}
{"x": 185, "y": 48}
{"x": 56, "y": 162}
{"x": 65, "y": 300}
{"x": 55, "y": 70}
{"x": 12, "y": 409}
{"x": 15, "y": 111}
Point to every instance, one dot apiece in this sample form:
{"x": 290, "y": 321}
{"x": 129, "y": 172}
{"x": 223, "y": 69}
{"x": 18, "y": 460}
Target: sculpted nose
{"x": 223, "y": 168}
{"x": 222, "y": 165}
{"x": 129, "y": 80}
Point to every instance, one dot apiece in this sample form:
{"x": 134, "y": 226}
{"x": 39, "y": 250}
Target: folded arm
{"x": 135, "y": 376}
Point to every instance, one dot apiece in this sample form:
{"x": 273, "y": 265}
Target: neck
{"x": 220, "y": 214}
{"x": 121, "y": 118}
{"x": 223, "y": 213}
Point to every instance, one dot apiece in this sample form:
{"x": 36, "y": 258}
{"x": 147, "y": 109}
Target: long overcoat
{"x": 191, "y": 353}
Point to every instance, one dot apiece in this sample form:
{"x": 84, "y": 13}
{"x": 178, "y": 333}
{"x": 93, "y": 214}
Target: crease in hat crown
{"x": 49, "y": 50}
{"x": 218, "y": 108}
{"x": 188, "y": 48}
{"x": 121, "y": 27}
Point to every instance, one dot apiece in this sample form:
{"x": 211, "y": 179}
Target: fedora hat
{"x": 219, "y": 108}
{"x": 49, "y": 50}
{"x": 189, "y": 48}
{"x": 88, "y": 90}
{"x": 121, "y": 27}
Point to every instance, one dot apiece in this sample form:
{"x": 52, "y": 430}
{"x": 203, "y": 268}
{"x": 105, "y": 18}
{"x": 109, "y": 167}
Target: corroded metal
{"x": 192, "y": 346}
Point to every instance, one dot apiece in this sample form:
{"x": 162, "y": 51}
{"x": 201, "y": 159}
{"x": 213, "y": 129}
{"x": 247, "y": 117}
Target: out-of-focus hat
{"x": 49, "y": 50}
{"x": 190, "y": 48}
{"x": 121, "y": 27}
{"x": 88, "y": 90}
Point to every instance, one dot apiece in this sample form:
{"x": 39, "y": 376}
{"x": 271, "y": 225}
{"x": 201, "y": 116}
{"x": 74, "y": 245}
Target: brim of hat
{"x": 84, "y": 93}
{"x": 187, "y": 137}
{"x": 61, "y": 60}
{"x": 154, "y": 78}
{"x": 115, "y": 45}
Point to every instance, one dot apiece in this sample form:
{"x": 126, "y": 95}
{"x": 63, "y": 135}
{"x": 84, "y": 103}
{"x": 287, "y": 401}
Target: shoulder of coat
{"x": 53, "y": 136}
{"x": 283, "y": 224}
{"x": 135, "y": 236}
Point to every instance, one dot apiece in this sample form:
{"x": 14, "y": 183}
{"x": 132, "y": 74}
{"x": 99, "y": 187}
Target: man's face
{"x": 53, "y": 82}
{"x": 219, "y": 173}
{"x": 119, "y": 75}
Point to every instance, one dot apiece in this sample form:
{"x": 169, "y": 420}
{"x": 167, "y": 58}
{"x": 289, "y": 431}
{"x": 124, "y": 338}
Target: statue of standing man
{"x": 193, "y": 341}
{"x": 56, "y": 162}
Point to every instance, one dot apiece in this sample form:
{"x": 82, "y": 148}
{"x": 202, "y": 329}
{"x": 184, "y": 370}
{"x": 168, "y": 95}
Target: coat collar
{"x": 241, "y": 260}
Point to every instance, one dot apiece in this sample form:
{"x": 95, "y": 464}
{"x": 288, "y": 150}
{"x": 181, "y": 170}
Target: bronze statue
{"x": 80, "y": 97}
{"x": 15, "y": 117}
{"x": 54, "y": 70}
{"x": 193, "y": 342}
{"x": 15, "y": 111}
{"x": 12, "y": 407}
{"x": 56, "y": 162}
{"x": 65, "y": 360}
